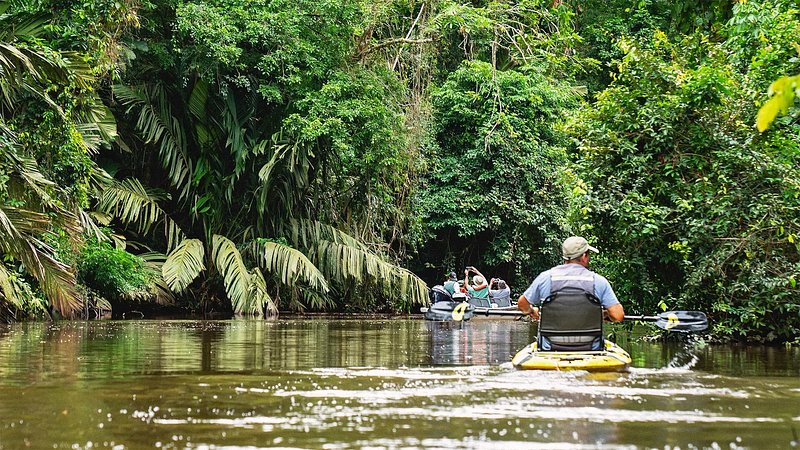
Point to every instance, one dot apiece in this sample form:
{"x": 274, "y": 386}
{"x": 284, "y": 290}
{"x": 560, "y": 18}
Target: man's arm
{"x": 539, "y": 285}
{"x": 615, "y": 313}
{"x": 525, "y": 306}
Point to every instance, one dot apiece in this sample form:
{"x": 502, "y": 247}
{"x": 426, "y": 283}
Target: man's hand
{"x": 525, "y": 306}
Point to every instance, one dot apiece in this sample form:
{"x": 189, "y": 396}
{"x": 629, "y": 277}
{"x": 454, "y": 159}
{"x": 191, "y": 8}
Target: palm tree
{"x": 27, "y": 73}
{"x": 20, "y": 237}
{"x": 249, "y": 217}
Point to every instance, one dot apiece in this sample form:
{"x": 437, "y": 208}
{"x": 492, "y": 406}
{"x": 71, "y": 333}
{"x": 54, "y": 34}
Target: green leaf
{"x": 236, "y": 277}
{"x": 289, "y": 264}
{"x": 184, "y": 264}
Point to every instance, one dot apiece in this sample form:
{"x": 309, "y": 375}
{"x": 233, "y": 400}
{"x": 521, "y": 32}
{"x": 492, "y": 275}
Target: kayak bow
{"x": 613, "y": 358}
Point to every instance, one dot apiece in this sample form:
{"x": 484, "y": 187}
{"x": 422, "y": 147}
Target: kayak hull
{"x": 449, "y": 311}
{"x": 441, "y": 311}
{"x": 612, "y": 359}
{"x": 485, "y": 312}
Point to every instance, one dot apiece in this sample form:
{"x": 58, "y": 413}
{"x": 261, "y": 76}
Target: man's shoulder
{"x": 545, "y": 275}
{"x": 599, "y": 277}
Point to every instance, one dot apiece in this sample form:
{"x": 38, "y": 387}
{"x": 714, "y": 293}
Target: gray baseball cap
{"x": 575, "y": 246}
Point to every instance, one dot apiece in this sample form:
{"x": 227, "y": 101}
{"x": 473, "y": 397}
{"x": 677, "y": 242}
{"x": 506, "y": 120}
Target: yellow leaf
{"x": 768, "y": 112}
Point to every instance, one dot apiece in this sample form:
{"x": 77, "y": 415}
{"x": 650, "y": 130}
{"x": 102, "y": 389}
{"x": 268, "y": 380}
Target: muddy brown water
{"x": 377, "y": 383}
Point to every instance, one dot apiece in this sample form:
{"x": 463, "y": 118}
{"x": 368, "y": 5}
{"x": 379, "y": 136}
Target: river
{"x": 377, "y": 383}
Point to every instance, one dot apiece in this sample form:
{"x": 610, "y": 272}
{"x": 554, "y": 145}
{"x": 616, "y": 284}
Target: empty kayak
{"x": 613, "y": 358}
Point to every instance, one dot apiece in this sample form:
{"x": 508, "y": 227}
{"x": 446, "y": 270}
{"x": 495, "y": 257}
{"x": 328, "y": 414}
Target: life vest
{"x": 571, "y": 317}
{"x": 450, "y": 286}
{"x": 572, "y": 276}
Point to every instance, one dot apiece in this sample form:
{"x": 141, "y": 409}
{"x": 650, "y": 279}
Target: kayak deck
{"x": 613, "y": 358}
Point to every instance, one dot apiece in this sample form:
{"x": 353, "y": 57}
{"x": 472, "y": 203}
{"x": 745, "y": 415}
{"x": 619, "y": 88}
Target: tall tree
{"x": 280, "y": 164}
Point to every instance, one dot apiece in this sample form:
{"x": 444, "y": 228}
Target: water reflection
{"x": 378, "y": 383}
{"x": 477, "y": 342}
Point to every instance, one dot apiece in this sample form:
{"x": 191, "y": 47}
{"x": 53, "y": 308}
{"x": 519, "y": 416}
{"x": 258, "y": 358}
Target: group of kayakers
{"x": 496, "y": 290}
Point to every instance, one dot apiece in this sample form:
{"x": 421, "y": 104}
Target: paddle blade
{"x": 459, "y": 310}
{"x": 684, "y": 321}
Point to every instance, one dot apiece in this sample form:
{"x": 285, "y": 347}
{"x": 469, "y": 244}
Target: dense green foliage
{"x": 114, "y": 272}
{"x": 495, "y": 166}
{"x": 693, "y": 207}
{"x": 296, "y": 154}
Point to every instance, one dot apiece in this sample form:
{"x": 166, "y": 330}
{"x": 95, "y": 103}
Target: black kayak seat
{"x": 571, "y": 320}
{"x": 439, "y": 294}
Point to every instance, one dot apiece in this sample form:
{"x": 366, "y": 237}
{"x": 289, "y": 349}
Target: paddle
{"x": 459, "y": 310}
{"x": 685, "y": 321}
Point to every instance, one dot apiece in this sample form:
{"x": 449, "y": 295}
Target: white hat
{"x": 575, "y": 246}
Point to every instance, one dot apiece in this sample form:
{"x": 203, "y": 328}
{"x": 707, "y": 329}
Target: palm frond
{"x": 59, "y": 283}
{"x": 233, "y": 123}
{"x": 90, "y": 227}
{"x": 160, "y": 290}
{"x": 30, "y": 26}
{"x": 132, "y": 203}
{"x": 257, "y": 291}
{"x": 99, "y": 179}
{"x": 344, "y": 258}
{"x": 306, "y": 232}
{"x": 8, "y": 290}
{"x": 100, "y": 127}
{"x": 288, "y": 264}
{"x": 18, "y": 231}
{"x": 236, "y": 277}
{"x": 18, "y": 294}
{"x": 198, "y": 100}
{"x": 75, "y": 67}
{"x": 160, "y": 127}
{"x": 27, "y": 170}
{"x": 264, "y": 175}
{"x": 184, "y": 264}
{"x": 24, "y": 70}
{"x": 345, "y": 262}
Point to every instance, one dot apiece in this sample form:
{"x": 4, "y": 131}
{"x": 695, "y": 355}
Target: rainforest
{"x": 236, "y": 157}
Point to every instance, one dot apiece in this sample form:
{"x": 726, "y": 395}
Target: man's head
{"x": 574, "y": 247}
{"x": 478, "y": 280}
{"x": 452, "y": 276}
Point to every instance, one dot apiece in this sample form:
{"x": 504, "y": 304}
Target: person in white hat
{"x": 479, "y": 289}
{"x": 575, "y": 274}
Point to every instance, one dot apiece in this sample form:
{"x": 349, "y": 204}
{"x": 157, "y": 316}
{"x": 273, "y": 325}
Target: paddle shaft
{"x": 643, "y": 318}
{"x": 671, "y": 321}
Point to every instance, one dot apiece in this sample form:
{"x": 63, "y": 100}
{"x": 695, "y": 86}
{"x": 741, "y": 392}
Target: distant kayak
{"x": 612, "y": 359}
{"x": 449, "y": 310}
{"x": 445, "y": 310}
{"x": 459, "y": 307}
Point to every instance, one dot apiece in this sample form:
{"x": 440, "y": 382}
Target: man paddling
{"x": 573, "y": 274}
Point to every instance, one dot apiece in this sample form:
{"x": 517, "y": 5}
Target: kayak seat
{"x": 480, "y": 302}
{"x": 571, "y": 320}
{"x": 439, "y": 294}
{"x": 459, "y": 297}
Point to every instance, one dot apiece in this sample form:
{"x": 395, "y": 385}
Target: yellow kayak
{"x": 613, "y": 358}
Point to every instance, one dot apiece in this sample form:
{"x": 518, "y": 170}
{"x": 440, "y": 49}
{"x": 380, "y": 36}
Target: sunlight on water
{"x": 379, "y": 384}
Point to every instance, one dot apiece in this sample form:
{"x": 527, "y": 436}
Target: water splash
{"x": 687, "y": 356}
